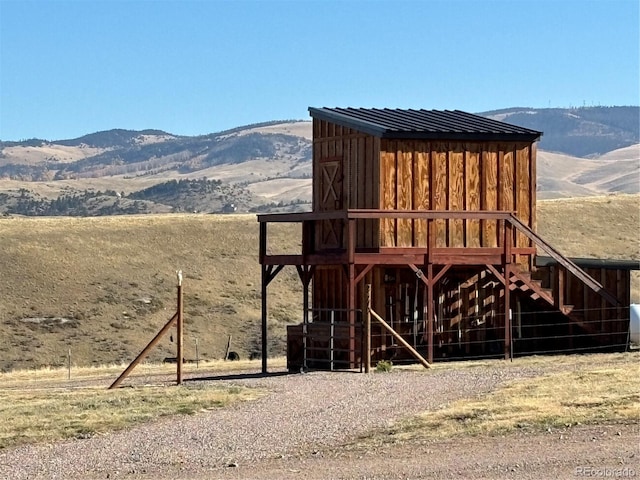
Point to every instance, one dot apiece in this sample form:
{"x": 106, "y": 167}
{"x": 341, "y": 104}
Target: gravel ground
{"x": 289, "y": 433}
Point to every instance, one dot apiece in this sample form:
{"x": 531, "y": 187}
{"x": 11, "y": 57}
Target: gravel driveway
{"x": 304, "y": 416}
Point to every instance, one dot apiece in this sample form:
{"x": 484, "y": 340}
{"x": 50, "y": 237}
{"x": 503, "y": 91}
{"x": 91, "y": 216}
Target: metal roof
{"x": 424, "y": 124}
{"x": 543, "y": 261}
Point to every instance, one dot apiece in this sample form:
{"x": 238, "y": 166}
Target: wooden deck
{"x": 346, "y": 266}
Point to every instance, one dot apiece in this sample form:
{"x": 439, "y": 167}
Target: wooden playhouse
{"x": 436, "y": 210}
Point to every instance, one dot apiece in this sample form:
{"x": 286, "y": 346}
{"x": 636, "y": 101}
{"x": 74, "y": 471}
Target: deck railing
{"x": 503, "y": 245}
{"x": 333, "y": 235}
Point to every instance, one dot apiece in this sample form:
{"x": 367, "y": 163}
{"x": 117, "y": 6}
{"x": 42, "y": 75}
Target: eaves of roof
{"x": 424, "y": 124}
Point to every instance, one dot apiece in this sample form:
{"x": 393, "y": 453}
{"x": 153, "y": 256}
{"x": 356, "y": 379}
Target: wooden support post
{"x": 269, "y": 272}
{"x": 401, "y": 340}
{"x": 265, "y": 280}
{"x": 351, "y": 301}
{"x": 560, "y": 286}
{"x": 367, "y": 333}
{"x": 430, "y": 312}
{"x": 180, "y": 332}
{"x": 305, "y": 322}
{"x": 351, "y": 305}
{"x": 305, "y": 273}
{"x": 262, "y": 253}
{"x": 430, "y": 241}
{"x": 508, "y": 237}
{"x": 351, "y": 240}
{"x": 145, "y": 351}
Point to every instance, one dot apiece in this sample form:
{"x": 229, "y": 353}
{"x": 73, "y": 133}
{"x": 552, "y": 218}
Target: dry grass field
{"x": 102, "y": 287}
{"x": 45, "y": 405}
{"x": 596, "y": 389}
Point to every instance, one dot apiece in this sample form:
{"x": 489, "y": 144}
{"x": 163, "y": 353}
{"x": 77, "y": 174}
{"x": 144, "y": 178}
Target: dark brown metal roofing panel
{"x": 543, "y": 261}
{"x": 424, "y": 124}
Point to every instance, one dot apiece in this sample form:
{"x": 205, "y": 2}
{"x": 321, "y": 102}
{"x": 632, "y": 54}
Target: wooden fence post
{"x": 180, "y": 331}
{"x": 367, "y": 333}
{"x": 178, "y": 319}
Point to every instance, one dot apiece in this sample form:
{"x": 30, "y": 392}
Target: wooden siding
{"x": 359, "y": 174}
{"x": 611, "y": 321}
{"x": 329, "y": 292}
{"x": 455, "y": 176}
{"x": 421, "y": 175}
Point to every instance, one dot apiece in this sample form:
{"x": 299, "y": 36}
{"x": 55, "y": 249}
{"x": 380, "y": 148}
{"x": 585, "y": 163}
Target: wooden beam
{"x": 430, "y": 316}
{"x": 440, "y": 274}
{"x": 419, "y": 273}
{"x": 262, "y": 253}
{"x": 389, "y": 259}
{"x": 272, "y": 272}
{"x": 384, "y": 214}
{"x": 400, "y": 340}
{"x": 508, "y": 238}
{"x": 351, "y": 306}
{"x": 367, "y": 333}
{"x": 351, "y": 240}
{"x": 560, "y": 286}
{"x": 495, "y": 271}
{"x": 364, "y": 271}
{"x": 145, "y": 351}
{"x": 265, "y": 282}
{"x": 587, "y": 279}
{"x": 179, "y": 333}
{"x": 305, "y": 273}
{"x": 463, "y": 259}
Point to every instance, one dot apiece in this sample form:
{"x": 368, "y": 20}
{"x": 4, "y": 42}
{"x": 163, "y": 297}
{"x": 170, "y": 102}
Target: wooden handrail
{"x": 380, "y": 214}
{"x": 587, "y": 279}
{"x": 507, "y": 216}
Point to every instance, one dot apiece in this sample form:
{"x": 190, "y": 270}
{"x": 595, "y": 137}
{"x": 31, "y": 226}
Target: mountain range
{"x": 267, "y": 166}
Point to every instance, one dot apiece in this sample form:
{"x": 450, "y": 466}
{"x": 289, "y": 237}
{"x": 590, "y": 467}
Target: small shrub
{"x": 384, "y": 366}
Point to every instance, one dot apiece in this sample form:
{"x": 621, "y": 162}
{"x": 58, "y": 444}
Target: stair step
{"x": 525, "y": 275}
{"x": 567, "y": 309}
{"x": 545, "y": 291}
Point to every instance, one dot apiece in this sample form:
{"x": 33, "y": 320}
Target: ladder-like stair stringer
{"x": 523, "y": 282}
{"x": 565, "y": 262}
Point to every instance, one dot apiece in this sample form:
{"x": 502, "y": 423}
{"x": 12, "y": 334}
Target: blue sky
{"x": 68, "y": 68}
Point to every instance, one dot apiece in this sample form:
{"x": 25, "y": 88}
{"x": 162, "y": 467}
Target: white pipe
{"x": 634, "y": 324}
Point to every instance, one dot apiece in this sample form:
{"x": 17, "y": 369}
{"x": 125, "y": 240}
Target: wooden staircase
{"x": 554, "y": 297}
{"x": 522, "y": 281}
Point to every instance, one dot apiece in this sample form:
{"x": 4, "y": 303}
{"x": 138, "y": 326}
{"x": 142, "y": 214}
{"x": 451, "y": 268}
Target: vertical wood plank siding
{"x": 456, "y": 194}
{"x": 421, "y": 190}
{"x": 329, "y": 292}
{"x": 389, "y": 191}
{"x": 489, "y": 194}
{"x": 439, "y": 190}
{"x": 358, "y": 176}
{"x": 404, "y": 196}
{"x": 427, "y": 175}
{"x": 472, "y": 197}
{"x": 455, "y": 176}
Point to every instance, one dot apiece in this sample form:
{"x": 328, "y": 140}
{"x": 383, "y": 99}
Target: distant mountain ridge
{"x": 267, "y": 166}
{"x": 580, "y": 132}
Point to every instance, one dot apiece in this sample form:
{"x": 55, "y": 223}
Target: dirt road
{"x": 300, "y": 429}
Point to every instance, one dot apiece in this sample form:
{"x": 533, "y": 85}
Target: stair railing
{"x": 571, "y": 267}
